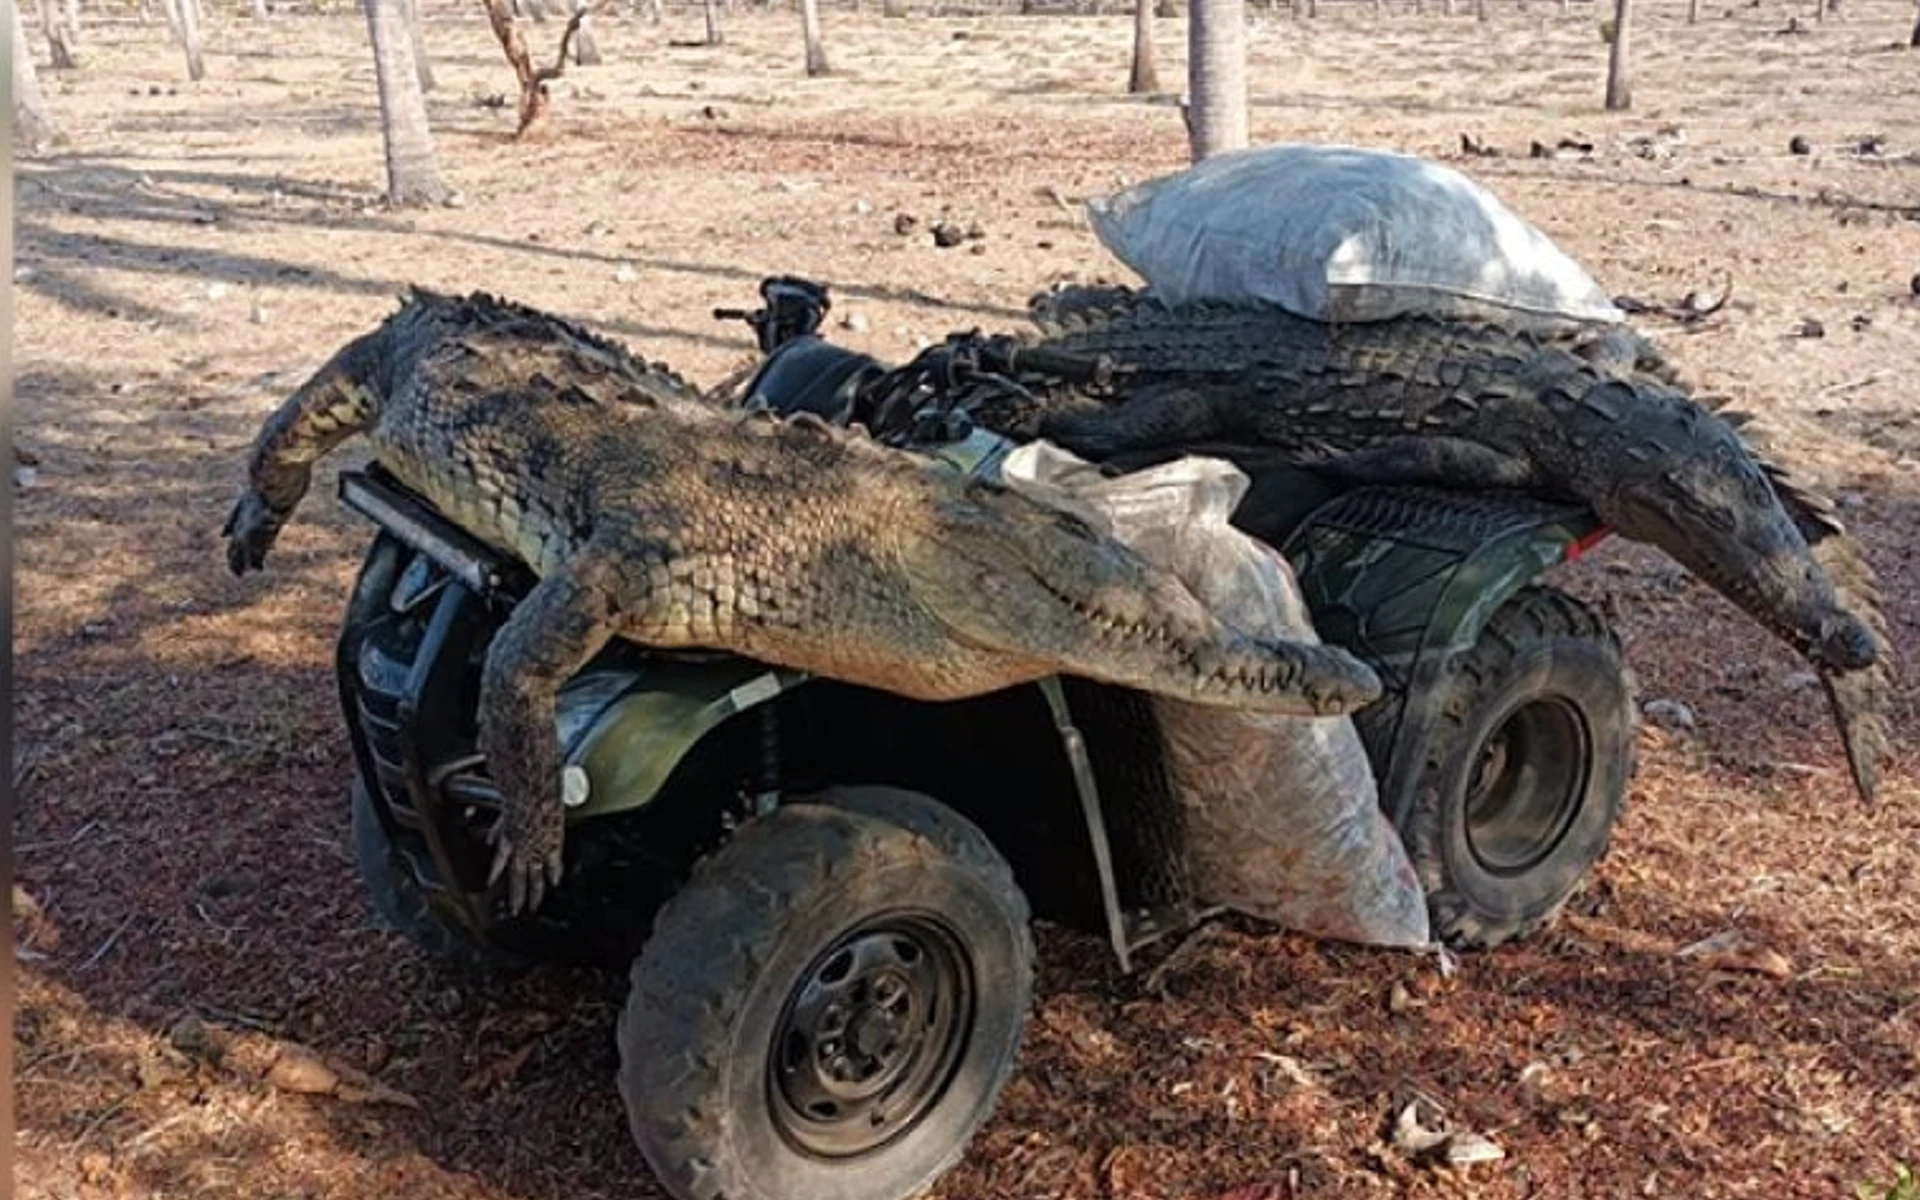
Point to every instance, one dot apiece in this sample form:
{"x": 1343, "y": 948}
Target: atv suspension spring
{"x": 767, "y": 793}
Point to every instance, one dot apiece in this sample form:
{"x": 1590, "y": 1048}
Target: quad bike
{"x": 823, "y": 890}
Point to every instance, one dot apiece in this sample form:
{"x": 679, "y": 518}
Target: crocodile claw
{"x": 250, "y": 531}
{"x": 529, "y": 876}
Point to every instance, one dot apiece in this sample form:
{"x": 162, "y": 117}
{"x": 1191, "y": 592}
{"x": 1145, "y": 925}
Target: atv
{"x": 823, "y": 891}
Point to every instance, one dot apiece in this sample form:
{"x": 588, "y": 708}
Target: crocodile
{"x": 648, "y": 514}
{"x": 1598, "y": 417}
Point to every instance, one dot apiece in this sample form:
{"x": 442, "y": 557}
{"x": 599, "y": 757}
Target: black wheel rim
{"x": 1526, "y": 785}
{"x": 870, "y": 1036}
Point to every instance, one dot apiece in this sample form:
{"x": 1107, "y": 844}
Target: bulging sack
{"x": 1282, "y": 817}
{"x": 1342, "y": 234}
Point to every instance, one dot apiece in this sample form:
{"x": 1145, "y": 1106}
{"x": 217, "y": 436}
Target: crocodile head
{"x": 1711, "y": 507}
{"x": 1009, "y": 575}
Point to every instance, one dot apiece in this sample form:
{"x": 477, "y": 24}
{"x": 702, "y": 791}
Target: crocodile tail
{"x": 1859, "y": 699}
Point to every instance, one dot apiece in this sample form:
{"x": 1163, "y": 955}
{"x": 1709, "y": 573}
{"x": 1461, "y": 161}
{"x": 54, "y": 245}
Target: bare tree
{"x": 60, "y": 54}
{"x": 1216, "y": 76}
{"x": 1145, "y": 76}
{"x": 714, "y": 36}
{"x": 1619, "y": 86}
{"x": 417, "y": 37}
{"x": 412, "y": 175}
{"x": 810, "y": 29}
{"x": 32, "y": 123}
{"x": 534, "y": 97}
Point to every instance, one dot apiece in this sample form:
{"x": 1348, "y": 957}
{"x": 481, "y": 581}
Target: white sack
{"x": 1282, "y": 817}
{"x": 1340, "y": 234}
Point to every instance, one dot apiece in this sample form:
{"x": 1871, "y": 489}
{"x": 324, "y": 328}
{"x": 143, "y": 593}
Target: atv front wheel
{"x": 829, "y": 1007}
{"x": 1524, "y": 769}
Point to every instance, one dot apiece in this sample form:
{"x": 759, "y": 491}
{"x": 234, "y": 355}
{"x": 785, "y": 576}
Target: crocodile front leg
{"x": 563, "y": 622}
{"x": 332, "y": 406}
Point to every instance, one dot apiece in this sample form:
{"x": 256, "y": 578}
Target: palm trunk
{"x": 1619, "y": 87}
{"x": 412, "y": 175}
{"x": 810, "y": 29}
{"x": 586, "y": 51}
{"x": 32, "y": 123}
{"x": 1216, "y": 76}
{"x": 1145, "y": 76}
{"x": 59, "y": 49}
{"x": 714, "y": 36}
{"x": 417, "y": 36}
{"x": 185, "y": 22}
{"x": 1693, "y": 12}
{"x": 1914, "y": 41}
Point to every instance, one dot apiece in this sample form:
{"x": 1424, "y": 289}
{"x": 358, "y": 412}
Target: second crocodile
{"x": 1414, "y": 400}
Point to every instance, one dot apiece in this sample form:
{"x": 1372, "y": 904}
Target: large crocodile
{"x": 1599, "y": 418}
{"x": 650, "y": 515}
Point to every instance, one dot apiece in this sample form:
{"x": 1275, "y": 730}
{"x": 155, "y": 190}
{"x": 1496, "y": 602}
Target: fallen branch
{"x": 534, "y": 97}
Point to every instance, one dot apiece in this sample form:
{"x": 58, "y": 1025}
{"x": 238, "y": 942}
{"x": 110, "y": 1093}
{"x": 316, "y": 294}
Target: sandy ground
{"x": 191, "y": 251}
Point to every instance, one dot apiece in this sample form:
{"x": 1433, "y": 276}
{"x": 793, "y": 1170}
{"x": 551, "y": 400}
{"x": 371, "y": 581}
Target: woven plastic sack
{"x": 1282, "y": 817}
{"x": 1339, "y": 234}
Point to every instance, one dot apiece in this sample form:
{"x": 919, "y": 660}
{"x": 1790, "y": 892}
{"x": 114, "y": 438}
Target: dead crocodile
{"x": 652, "y": 516}
{"x": 1600, "y": 418}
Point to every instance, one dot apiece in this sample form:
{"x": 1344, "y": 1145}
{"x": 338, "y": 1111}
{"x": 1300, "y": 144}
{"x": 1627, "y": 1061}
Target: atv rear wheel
{"x": 402, "y": 906}
{"x": 1524, "y": 771}
{"x": 829, "y": 1007}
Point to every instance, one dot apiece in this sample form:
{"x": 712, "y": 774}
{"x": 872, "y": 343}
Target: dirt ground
{"x": 191, "y": 251}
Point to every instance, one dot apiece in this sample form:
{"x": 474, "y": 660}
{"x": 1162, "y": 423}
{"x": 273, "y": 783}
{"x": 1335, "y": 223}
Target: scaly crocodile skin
{"x": 652, "y": 516}
{"x": 1600, "y": 419}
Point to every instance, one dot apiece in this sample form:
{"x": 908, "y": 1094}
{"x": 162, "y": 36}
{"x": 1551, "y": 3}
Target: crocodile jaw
{"x": 1006, "y": 574}
{"x": 1751, "y": 553}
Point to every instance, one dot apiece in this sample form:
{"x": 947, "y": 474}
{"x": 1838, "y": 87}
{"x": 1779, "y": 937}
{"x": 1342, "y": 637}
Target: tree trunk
{"x": 417, "y": 39}
{"x": 258, "y": 10}
{"x": 60, "y": 54}
{"x": 1693, "y": 12}
{"x": 73, "y": 20}
{"x": 412, "y": 175}
{"x": 1914, "y": 41}
{"x": 186, "y": 30}
{"x": 1619, "y": 87}
{"x": 1480, "y": 9}
{"x": 714, "y": 36}
{"x": 586, "y": 51}
{"x": 1145, "y": 76}
{"x": 810, "y": 29}
{"x": 32, "y": 123}
{"x": 1216, "y": 77}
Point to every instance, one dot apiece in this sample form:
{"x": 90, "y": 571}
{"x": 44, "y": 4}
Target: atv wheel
{"x": 402, "y": 906}
{"x": 830, "y": 1006}
{"x": 1525, "y": 769}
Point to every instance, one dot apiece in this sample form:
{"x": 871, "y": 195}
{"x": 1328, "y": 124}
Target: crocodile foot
{"x": 250, "y": 531}
{"x": 527, "y": 852}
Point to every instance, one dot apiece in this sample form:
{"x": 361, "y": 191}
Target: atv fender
{"x": 1406, "y": 577}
